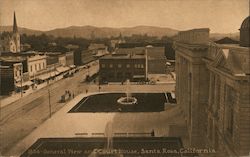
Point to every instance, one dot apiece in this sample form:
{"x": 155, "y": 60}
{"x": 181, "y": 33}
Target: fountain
{"x": 128, "y": 100}
{"x": 109, "y": 135}
{"x": 108, "y": 150}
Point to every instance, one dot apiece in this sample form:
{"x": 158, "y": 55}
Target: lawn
{"x": 107, "y": 102}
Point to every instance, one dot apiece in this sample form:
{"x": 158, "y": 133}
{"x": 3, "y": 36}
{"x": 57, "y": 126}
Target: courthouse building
{"x": 212, "y": 88}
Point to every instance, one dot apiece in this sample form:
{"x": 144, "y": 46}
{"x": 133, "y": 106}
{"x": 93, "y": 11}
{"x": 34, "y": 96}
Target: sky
{"x": 221, "y": 16}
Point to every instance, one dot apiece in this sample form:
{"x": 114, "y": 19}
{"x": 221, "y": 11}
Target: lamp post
{"x": 21, "y": 80}
{"x": 49, "y": 96}
{"x": 49, "y": 103}
{"x": 146, "y": 66}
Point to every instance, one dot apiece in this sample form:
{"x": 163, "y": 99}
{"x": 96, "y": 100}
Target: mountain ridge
{"x": 100, "y": 32}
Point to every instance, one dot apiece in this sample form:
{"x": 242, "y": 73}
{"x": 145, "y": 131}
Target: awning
{"x": 27, "y": 83}
{"x": 62, "y": 69}
{"x": 139, "y": 76}
{"x": 47, "y": 75}
{"x": 72, "y": 66}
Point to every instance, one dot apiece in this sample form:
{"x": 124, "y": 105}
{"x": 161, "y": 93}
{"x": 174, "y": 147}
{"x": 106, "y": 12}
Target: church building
{"x": 10, "y": 41}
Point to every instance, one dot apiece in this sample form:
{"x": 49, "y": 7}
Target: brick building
{"x": 156, "y": 57}
{"x": 120, "y": 67}
{"x": 7, "y": 80}
{"x": 82, "y": 57}
{"x": 212, "y": 88}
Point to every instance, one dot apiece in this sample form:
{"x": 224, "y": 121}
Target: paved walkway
{"x": 64, "y": 124}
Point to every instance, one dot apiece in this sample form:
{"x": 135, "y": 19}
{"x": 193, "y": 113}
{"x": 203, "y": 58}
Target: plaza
{"x": 63, "y": 124}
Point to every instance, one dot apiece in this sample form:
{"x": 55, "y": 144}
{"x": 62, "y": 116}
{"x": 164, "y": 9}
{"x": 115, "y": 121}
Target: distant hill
{"x": 218, "y": 36}
{"x": 86, "y": 31}
{"x": 21, "y": 30}
{"x": 99, "y": 32}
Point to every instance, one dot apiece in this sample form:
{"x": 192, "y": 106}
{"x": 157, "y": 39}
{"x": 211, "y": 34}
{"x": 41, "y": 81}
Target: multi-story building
{"x": 82, "y": 57}
{"x": 14, "y": 67}
{"x": 7, "y": 80}
{"x": 10, "y": 41}
{"x": 120, "y": 67}
{"x": 212, "y": 88}
{"x": 36, "y": 64}
{"x": 156, "y": 57}
{"x": 69, "y": 58}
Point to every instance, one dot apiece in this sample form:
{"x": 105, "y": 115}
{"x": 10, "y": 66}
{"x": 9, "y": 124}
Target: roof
{"x": 15, "y": 29}
{"x": 245, "y": 23}
{"x": 234, "y": 58}
{"x": 11, "y": 59}
{"x": 227, "y": 40}
{"x": 4, "y": 67}
{"x": 123, "y": 56}
{"x": 135, "y": 50}
{"x": 96, "y": 46}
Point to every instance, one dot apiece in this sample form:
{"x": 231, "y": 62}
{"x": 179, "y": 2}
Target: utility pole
{"x": 22, "y": 80}
{"x": 49, "y": 103}
{"x": 146, "y": 60}
{"x": 49, "y": 94}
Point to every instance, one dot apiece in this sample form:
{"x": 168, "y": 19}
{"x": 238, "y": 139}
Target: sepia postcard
{"x": 124, "y": 78}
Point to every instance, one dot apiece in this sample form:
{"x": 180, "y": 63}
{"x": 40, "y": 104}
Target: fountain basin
{"x": 127, "y": 101}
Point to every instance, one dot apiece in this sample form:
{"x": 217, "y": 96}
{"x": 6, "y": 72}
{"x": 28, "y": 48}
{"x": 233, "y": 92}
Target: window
{"x": 103, "y": 65}
{"x": 31, "y": 68}
{"x": 111, "y": 65}
{"x": 35, "y": 67}
{"x": 229, "y": 108}
{"x": 119, "y": 65}
{"x": 128, "y": 65}
{"x": 230, "y": 120}
{"x": 142, "y": 66}
{"x": 39, "y": 67}
{"x": 135, "y": 65}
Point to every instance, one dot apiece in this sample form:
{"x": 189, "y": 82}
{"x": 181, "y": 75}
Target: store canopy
{"x": 139, "y": 76}
{"x": 72, "y": 66}
{"x": 47, "y": 75}
{"x": 27, "y": 83}
{"x": 62, "y": 69}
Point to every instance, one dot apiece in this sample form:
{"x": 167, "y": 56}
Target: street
{"x": 19, "y": 118}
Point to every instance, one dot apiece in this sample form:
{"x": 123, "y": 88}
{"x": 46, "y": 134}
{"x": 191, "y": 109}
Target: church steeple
{"x": 15, "y": 29}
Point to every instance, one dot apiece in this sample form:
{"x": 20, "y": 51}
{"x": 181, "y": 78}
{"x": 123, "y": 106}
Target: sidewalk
{"x": 14, "y": 97}
{"x": 10, "y": 99}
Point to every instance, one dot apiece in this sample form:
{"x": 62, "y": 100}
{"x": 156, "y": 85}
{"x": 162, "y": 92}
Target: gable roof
{"x": 227, "y": 40}
{"x": 234, "y": 62}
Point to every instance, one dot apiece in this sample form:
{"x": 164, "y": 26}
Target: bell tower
{"x": 16, "y": 35}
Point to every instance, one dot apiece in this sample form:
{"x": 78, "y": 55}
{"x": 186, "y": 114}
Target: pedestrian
{"x": 86, "y": 91}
